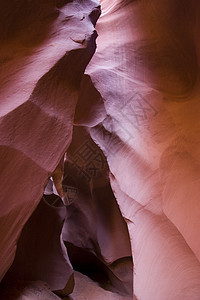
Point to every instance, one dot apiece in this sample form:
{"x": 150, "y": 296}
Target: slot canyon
{"x": 99, "y": 150}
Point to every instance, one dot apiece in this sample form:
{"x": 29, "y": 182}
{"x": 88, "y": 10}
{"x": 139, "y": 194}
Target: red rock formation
{"x": 146, "y": 71}
{"x": 45, "y": 48}
{"x": 138, "y": 100}
{"x": 40, "y": 251}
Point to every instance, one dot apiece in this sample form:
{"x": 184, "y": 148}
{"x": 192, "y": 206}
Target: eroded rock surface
{"x": 45, "y": 48}
{"x": 37, "y": 290}
{"x": 84, "y": 289}
{"x": 146, "y": 71}
{"x": 41, "y": 254}
{"x": 138, "y": 100}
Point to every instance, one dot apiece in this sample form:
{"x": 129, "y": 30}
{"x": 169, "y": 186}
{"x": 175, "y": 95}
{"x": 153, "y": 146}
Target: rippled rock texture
{"x": 45, "y": 47}
{"x": 113, "y": 135}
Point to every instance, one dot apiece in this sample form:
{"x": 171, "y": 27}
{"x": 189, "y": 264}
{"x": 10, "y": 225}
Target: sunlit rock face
{"x": 116, "y": 129}
{"x": 146, "y": 70}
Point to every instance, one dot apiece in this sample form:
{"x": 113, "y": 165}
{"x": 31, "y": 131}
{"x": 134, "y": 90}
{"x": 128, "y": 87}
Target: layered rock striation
{"x": 117, "y": 130}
